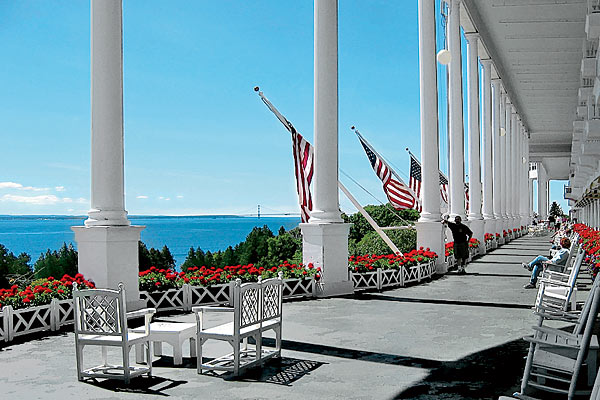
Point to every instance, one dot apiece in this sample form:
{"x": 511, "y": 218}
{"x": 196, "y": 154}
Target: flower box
{"x": 451, "y": 261}
{"x": 419, "y": 272}
{"x": 171, "y": 299}
{"x": 365, "y": 280}
{"x": 383, "y": 278}
{"x": 297, "y": 288}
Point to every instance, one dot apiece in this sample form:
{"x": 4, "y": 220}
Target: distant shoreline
{"x": 83, "y": 217}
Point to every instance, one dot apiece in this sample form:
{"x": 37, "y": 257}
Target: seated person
{"x": 536, "y": 266}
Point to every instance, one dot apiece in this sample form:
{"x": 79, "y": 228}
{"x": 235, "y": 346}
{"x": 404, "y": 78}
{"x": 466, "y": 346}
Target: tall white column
{"x": 542, "y": 191}
{"x": 497, "y": 154}
{"x": 326, "y": 197}
{"x": 475, "y": 217}
{"x": 514, "y": 188}
{"x": 488, "y": 206}
{"x": 524, "y": 196}
{"x": 325, "y": 237}
{"x": 506, "y": 182}
{"x": 107, "y": 183}
{"x": 107, "y": 245}
{"x": 429, "y": 227}
{"x": 455, "y": 100}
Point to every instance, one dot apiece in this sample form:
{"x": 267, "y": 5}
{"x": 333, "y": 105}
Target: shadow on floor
{"x": 154, "y": 385}
{"x": 280, "y": 371}
{"x": 374, "y": 296}
{"x": 487, "y": 374}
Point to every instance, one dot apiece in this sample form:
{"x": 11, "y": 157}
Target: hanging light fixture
{"x": 444, "y": 57}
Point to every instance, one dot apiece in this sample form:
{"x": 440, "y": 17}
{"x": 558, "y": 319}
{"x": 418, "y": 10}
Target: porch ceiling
{"x": 536, "y": 47}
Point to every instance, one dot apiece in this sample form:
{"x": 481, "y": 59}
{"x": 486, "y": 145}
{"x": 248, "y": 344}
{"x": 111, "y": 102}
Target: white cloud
{"x": 67, "y": 200}
{"x": 82, "y": 200}
{"x": 14, "y": 185}
{"x": 161, "y": 198}
{"x": 10, "y": 185}
{"x": 180, "y": 197}
{"x": 34, "y": 189}
{"x": 59, "y": 188}
{"x": 141, "y": 197}
{"x": 168, "y": 198}
{"x": 40, "y": 200}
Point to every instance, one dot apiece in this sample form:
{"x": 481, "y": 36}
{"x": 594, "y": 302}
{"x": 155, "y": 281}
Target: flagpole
{"x": 370, "y": 220}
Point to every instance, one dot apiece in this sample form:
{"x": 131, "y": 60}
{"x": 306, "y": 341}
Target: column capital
{"x": 472, "y": 37}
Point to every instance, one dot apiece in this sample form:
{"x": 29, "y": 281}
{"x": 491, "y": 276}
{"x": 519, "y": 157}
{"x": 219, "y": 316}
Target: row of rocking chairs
{"x": 563, "y": 361}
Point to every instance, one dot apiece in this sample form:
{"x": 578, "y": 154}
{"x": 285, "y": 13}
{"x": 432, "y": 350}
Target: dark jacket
{"x": 460, "y": 232}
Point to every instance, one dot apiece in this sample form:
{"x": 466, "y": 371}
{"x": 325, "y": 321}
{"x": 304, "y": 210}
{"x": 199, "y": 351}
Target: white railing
{"x": 384, "y": 278}
{"x": 53, "y": 316}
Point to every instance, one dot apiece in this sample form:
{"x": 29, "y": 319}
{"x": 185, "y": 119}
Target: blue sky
{"x": 198, "y": 140}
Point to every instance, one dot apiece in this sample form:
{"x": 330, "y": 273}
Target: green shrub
{"x": 371, "y": 243}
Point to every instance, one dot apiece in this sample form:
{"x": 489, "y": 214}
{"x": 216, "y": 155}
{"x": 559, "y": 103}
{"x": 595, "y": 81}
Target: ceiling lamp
{"x": 444, "y": 57}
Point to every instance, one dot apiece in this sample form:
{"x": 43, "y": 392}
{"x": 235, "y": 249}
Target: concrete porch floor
{"x": 456, "y": 337}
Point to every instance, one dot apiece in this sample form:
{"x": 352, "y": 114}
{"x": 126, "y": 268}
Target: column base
{"x": 325, "y": 245}
{"x": 431, "y": 235}
{"x": 108, "y": 255}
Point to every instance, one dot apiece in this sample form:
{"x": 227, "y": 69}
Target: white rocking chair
{"x": 101, "y": 320}
{"x": 556, "y": 357}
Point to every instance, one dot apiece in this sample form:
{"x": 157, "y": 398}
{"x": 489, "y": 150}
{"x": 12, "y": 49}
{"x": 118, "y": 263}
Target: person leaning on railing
{"x": 461, "y": 234}
{"x": 538, "y": 263}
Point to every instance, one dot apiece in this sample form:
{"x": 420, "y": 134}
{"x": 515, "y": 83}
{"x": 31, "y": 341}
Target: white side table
{"x": 173, "y": 333}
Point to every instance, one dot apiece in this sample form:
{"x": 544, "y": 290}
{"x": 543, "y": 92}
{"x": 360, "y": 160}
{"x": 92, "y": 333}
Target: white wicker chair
{"x": 101, "y": 320}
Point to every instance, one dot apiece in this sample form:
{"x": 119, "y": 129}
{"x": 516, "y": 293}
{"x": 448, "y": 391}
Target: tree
{"x": 280, "y": 248}
{"x": 57, "y": 263}
{"x": 154, "y": 258}
{"x": 555, "y": 210}
{"x": 11, "y": 265}
{"x": 255, "y": 247}
{"x": 372, "y": 243}
{"x": 384, "y": 215}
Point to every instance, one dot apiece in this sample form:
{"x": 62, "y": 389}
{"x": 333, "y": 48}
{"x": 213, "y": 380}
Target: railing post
{"x": 5, "y": 317}
{"x": 379, "y": 279}
{"x": 313, "y": 286}
{"x": 187, "y": 297}
{"x": 54, "y": 315}
{"x": 8, "y": 323}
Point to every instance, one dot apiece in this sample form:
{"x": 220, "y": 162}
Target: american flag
{"x": 303, "y": 161}
{"x": 415, "y": 180}
{"x": 400, "y": 196}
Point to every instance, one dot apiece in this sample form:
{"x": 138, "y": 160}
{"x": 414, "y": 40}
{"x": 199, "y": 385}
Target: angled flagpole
{"x": 370, "y": 220}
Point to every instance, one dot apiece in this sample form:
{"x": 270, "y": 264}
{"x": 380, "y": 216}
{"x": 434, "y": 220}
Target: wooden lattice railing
{"x": 51, "y": 317}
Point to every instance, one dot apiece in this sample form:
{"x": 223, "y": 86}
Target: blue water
{"x": 35, "y": 234}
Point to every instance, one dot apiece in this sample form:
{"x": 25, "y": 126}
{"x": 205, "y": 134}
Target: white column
{"x": 475, "y": 217}
{"x": 542, "y": 191}
{"x": 488, "y": 159}
{"x": 514, "y": 188}
{"x": 326, "y": 197}
{"x": 107, "y": 245}
{"x": 497, "y": 154}
{"x": 429, "y": 227}
{"x": 325, "y": 237}
{"x": 506, "y": 182}
{"x": 455, "y": 100}
{"x": 524, "y": 197}
{"x": 107, "y": 184}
